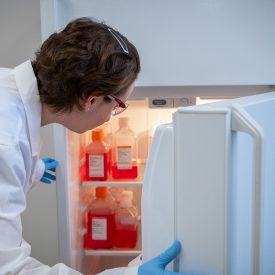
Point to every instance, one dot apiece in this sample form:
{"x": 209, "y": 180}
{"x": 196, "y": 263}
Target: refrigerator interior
{"x": 78, "y": 193}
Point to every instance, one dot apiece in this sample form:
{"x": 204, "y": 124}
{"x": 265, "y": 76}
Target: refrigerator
{"x": 209, "y": 182}
{"x": 201, "y": 55}
{"x": 205, "y": 178}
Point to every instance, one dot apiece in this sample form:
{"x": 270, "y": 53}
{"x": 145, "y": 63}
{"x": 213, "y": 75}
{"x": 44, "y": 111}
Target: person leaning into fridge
{"x": 79, "y": 78}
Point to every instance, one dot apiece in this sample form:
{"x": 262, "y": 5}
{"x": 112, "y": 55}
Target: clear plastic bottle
{"x": 97, "y": 157}
{"x": 100, "y": 222}
{"x": 124, "y": 163}
{"x": 108, "y": 141}
{"x": 126, "y": 224}
{"x": 128, "y": 194}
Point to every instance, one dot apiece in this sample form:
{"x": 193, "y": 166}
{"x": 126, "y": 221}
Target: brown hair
{"x": 82, "y": 60}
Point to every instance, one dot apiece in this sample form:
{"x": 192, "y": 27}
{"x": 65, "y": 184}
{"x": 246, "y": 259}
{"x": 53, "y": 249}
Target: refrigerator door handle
{"x": 241, "y": 121}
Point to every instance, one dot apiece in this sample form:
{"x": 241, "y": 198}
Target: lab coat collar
{"x": 27, "y": 86}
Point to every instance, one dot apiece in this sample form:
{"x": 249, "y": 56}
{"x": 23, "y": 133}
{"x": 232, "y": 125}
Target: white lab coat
{"x": 20, "y": 168}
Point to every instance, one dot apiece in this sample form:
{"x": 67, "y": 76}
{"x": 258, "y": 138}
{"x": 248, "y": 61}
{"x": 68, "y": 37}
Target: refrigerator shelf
{"x": 112, "y": 252}
{"x": 111, "y": 183}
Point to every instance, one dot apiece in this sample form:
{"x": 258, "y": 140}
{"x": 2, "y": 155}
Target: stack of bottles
{"x": 117, "y": 158}
{"x": 111, "y": 224}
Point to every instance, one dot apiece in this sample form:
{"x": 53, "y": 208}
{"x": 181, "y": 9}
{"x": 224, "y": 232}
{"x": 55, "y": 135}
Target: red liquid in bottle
{"x": 126, "y": 222}
{"x": 100, "y": 231}
{"x": 124, "y": 173}
{"x": 124, "y": 157}
{"x": 126, "y": 236}
{"x": 100, "y": 221}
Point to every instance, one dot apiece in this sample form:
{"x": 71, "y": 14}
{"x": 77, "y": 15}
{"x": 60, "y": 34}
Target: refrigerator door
{"x": 202, "y": 154}
{"x": 261, "y": 110}
{"x": 224, "y": 184}
{"x": 209, "y": 182}
{"x": 158, "y": 195}
{"x": 67, "y": 152}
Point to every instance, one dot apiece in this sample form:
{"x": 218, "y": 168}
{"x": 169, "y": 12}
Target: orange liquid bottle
{"x": 100, "y": 222}
{"x": 124, "y": 156}
{"x": 97, "y": 157}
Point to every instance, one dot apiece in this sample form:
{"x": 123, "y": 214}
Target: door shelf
{"x": 117, "y": 182}
{"x": 111, "y": 183}
{"x": 112, "y": 252}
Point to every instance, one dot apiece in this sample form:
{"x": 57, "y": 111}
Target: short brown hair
{"x": 82, "y": 60}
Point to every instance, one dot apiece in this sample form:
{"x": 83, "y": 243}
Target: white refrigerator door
{"x": 224, "y": 183}
{"x": 158, "y": 194}
{"x": 209, "y": 182}
{"x": 67, "y": 152}
{"x": 261, "y": 109}
{"x": 202, "y": 143}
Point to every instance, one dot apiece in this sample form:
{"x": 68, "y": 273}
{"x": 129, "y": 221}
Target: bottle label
{"x": 124, "y": 157}
{"x": 99, "y": 229}
{"x": 96, "y": 165}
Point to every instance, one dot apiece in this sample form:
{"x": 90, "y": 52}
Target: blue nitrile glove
{"x": 157, "y": 265}
{"x": 50, "y": 165}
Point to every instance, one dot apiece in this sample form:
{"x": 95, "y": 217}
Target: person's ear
{"x": 88, "y": 103}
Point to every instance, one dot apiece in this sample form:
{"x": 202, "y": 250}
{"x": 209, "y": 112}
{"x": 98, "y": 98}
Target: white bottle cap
{"x": 127, "y": 194}
{"x": 123, "y": 122}
{"x": 125, "y": 203}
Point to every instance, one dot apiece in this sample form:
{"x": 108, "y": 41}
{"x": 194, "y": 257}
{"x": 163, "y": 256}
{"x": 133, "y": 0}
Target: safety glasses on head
{"x": 121, "y": 107}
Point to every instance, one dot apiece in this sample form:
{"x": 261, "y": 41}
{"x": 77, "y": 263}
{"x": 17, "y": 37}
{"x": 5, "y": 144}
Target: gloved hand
{"x": 50, "y": 165}
{"x": 157, "y": 265}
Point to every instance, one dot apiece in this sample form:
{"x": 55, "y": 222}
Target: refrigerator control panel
{"x": 171, "y": 102}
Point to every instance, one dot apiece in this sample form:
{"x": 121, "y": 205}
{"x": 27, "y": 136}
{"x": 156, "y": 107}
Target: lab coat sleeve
{"x": 18, "y": 261}
{"x": 39, "y": 171}
{"x": 12, "y": 196}
{"x": 14, "y": 251}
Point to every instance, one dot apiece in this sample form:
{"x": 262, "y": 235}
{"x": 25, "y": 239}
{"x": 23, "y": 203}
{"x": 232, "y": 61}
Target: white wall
{"x": 20, "y": 36}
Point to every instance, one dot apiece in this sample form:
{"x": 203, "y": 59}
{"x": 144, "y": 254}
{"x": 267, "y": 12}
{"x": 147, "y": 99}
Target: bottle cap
{"x": 125, "y": 203}
{"x": 97, "y": 134}
{"x": 101, "y": 192}
{"x": 127, "y": 194}
{"x": 123, "y": 122}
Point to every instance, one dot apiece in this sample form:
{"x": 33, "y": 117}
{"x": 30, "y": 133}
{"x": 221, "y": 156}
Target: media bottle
{"x": 97, "y": 157}
{"x": 126, "y": 224}
{"x": 129, "y": 195}
{"x": 100, "y": 222}
{"x": 124, "y": 156}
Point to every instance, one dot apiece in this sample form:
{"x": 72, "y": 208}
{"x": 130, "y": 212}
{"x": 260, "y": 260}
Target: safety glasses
{"x": 121, "y": 107}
